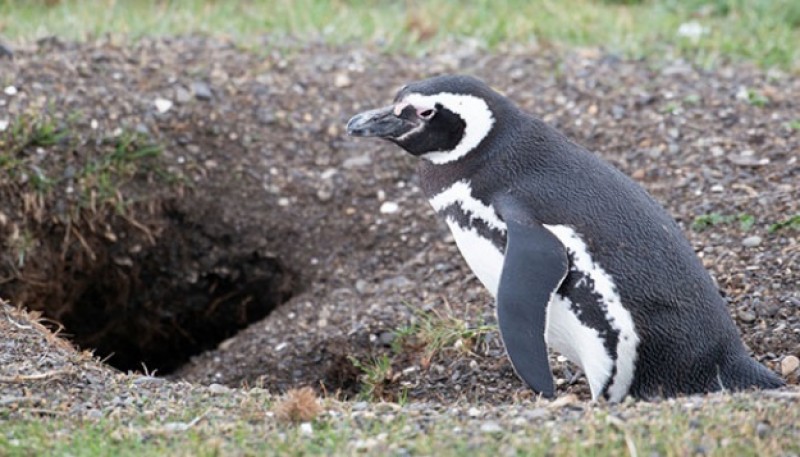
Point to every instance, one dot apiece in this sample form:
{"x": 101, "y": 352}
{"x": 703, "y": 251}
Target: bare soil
{"x": 259, "y": 205}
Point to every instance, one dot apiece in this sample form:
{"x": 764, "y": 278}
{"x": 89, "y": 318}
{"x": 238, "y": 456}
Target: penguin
{"x": 578, "y": 256}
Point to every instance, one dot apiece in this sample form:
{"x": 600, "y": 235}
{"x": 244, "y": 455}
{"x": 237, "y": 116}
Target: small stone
{"x": 218, "y": 389}
{"x": 746, "y": 316}
{"x": 789, "y": 365}
{"x": 751, "y": 241}
{"x": 357, "y": 161}
{"x": 4, "y": 124}
{"x": 536, "y": 413}
{"x": 325, "y": 193}
{"x": 359, "y": 406}
{"x": 162, "y": 105}
{"x": 474, "y": 412}
{"x": 389, "y": 208}
{"x": 182, "y": 95}
{"x": 10, "y": 90}
{"x": 491, "y": 427}
{"x": 152, "y": 380}
{"x": 762, "y": 429}
{"x": 342, "y": 80}
{"x": 201, "y": 90}
{"x": 306, "y": 428}
{"x": 386, "y": 338}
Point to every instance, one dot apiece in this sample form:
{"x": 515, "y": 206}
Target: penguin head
{"x": 441, "y": 119}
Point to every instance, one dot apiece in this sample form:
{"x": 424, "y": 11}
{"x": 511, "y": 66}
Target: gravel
{"x": 370, "y": 253}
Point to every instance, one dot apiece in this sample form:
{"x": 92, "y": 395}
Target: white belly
{"x": 564, "y": 331}
{"x": 483, "y": 257}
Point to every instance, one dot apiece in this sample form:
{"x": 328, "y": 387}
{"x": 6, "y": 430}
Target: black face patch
{"x": 442, "y": 132}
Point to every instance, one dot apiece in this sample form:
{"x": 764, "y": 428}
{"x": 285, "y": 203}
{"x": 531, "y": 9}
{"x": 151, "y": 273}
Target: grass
{"x": 720, "y": 425}
{"x": 763, "y": 31}
{"x": 98, "y": 176}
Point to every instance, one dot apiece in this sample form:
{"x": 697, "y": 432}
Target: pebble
{"x": 751, "y": 241}
{"x": 342, "y": 80}
{"x": 162, "y": 105}
{"x": 491, "y": 427}
{"x": 3, "y": 124}
{"x": 389, "y": 208}
{"x": 386, "y": 338}
{"x": 325, "y": 193}
{"x": 10, "y": 90}
{"x": 746, "y": 316}
{"x": 359, "y": 406}
{"x": 182, "y": 95}
{"x": 763, "y": 429}
{"x": 789, "y": 365}
{"x": 148, "y": 380}
{"x": 357, "y": 161}
{"x": 201, "y": 90}
{"x": 218, "y": 389}
{"x": 474, "y": 412}
{"x": 306, "y": 428}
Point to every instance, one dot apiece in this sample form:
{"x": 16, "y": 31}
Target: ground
{"x": 239, "y": 192}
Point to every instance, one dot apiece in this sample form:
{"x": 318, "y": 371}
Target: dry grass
{"x": 298, "y": 405}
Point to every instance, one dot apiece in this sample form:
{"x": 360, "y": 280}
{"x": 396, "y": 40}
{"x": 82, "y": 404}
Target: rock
{"x": 789, "y": 365}
{"x": 357, "y": 161}
{"x": 751, "y": 241}
{"x": 182, "y": 95}
{"x": 474, "y": 412}
{"x": 763, "y": 429}
{"x": 201, "y": 90}
{"x": 747, "y": 316}
{"x": 342, "y": 80}
{"x": 306, "y": 428}
{"x": 360, "y": 406}
{"x": 162, "y": 105}
{"x": 389, "y": 208}
{"x": 386, "y": 338}
{"x": 4, "y": 124}
{"x": 325, "y": 193}
{"x": 747, "y": 160}
{"x": 535, "y": 413}
{"x": 218, "y": 389}
{"x": 491, "y": 427}
{"x": 10, "y": 90}
{"x": 5, "y": 51}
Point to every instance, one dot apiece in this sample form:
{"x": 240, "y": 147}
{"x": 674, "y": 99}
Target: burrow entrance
{"x": 148, "y": 294}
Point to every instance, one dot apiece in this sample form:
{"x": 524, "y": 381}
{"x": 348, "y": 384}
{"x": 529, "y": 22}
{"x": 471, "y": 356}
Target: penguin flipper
{"x": 535, "y": 265}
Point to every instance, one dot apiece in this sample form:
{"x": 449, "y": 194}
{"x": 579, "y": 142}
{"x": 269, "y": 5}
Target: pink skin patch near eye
{"x": 398, "y": 108}
{"x": 422, "y": 111}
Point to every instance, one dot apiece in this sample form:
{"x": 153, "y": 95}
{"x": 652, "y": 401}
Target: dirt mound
{"x": 237, "y": 190}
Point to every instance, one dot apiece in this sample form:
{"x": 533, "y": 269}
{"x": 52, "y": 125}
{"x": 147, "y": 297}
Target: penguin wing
{"x": 535, "y": 265}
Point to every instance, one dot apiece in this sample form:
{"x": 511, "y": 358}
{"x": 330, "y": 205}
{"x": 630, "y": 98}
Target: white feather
{"x": 461, "y": 193}
{"x": 582, "y": 345}
{"x": 483, "y": 257}
{"x": 619, "y": 317}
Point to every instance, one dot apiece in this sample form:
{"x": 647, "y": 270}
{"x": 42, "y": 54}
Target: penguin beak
{"x": 382, "y": 123}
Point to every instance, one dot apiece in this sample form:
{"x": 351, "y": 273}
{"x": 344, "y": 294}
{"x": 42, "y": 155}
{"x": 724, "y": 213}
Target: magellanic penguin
{"x": 578, "y": 256}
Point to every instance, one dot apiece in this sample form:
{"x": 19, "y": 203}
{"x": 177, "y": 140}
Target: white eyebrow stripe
{"x": 473, "y": 110}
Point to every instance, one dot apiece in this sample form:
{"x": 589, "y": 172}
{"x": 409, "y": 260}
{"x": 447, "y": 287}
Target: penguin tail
{"x": 741, "y": 372}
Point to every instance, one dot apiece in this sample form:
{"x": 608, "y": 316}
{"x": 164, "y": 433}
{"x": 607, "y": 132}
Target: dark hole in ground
{"x": 152, "y": 302}
{"x": 159, "y": 325}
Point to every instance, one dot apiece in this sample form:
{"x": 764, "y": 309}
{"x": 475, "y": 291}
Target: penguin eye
{"x": 426, "y": 113}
